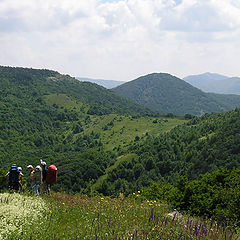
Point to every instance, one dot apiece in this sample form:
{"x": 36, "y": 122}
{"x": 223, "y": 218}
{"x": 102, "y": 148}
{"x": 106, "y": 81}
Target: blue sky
{"x": 122, "y": 39}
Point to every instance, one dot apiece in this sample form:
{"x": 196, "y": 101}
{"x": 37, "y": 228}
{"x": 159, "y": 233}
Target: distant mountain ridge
{"x": 102, "y": 82}
{"x": 216, "y": 83}
{"x": 164, "y": 92}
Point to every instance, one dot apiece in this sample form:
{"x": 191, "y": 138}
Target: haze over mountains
{"x": 216, "y": 83}
{"x": 105, "y": 83}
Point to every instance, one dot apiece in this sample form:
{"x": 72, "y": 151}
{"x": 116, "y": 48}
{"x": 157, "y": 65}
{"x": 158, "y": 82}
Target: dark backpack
{"x": 44, "y": 173}
{"x": 13, "y": 175}
{"x": 51, "y": 174}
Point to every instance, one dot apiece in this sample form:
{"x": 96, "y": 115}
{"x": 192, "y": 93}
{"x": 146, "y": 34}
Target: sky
{"x": 122, "y": 39}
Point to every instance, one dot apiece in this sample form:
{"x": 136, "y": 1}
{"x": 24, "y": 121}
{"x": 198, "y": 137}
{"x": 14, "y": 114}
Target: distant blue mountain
{"x": 105, "y": 83}
{"x": 216, "y": 83}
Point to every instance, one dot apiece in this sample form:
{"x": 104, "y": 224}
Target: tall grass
{"x": 81, "y": 217}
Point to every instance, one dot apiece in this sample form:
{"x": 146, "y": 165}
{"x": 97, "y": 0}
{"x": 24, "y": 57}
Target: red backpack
{"x": 51, "y": 174}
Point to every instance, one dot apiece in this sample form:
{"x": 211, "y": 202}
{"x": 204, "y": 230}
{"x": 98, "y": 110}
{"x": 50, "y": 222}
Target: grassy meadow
{"x": 62, "y": 216}
{"x": 114, "y": 130}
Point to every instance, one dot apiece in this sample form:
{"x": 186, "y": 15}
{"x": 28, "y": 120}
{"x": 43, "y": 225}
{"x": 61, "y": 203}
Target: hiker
{"x": 20, "y": 178}
{"x": 51, "y": 175}
{"x": 45, "y": 188}
{"x": 32, "y": 179}
{"x": 13, "y": 178}
{"x": 38, "y": 178}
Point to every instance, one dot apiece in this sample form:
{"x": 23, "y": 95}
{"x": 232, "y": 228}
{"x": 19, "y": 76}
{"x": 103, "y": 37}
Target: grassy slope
{"x": 123, "y": 129}
{"x": 80, "y": 217}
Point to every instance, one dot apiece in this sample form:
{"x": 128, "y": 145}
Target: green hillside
{"x": 202, "y": 145}
{"x": 104, "y": 144}
{"x": 32, "y": 84}
{"x": 80, "y": 127}
{"x": 166, "y": 93}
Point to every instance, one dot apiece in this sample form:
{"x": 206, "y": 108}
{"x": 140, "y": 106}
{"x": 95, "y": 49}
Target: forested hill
{"x": 44, "y": 114}
{"x": 25, "y": 83}
{"x": 202, "y": 145}
{"x": 164, "y": 92}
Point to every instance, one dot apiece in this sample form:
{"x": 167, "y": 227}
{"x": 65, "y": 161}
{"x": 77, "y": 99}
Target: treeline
{"x": 202, "y": 145}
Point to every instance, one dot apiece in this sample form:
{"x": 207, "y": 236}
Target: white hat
{"x": 29, "y": 166}
{"x": 38, "y": 167}
{"x": 19, "y": 168}
{"x": 42, "y": 163}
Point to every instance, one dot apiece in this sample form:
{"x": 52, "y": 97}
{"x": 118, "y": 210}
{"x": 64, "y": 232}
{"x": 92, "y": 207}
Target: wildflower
{"x": 23, "y": 209}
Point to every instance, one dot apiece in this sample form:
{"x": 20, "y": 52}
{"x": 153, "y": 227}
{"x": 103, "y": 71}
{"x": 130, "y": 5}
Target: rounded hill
{"x": 166, "y": 93}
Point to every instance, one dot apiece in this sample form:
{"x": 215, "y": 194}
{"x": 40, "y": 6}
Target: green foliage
{"x": 202, "y": 145}
{"x": 3, "y": 181}
{"x": 166, "y": 93}
{"x": 215, "y": 195}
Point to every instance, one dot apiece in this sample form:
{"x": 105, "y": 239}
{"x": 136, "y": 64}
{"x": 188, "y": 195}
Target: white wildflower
{"x": 17, "y": 211}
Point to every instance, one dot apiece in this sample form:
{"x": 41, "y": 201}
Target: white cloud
{"x": 121, "y": 39}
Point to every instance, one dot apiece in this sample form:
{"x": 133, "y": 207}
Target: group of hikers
{"x": 40, "y": 178}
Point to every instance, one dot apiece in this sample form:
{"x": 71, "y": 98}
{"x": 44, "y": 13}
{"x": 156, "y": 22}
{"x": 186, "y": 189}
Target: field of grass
{"x": 64, "y": 101}
{"x": 63, "y": 216}
{"x": 115, "y": 130}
